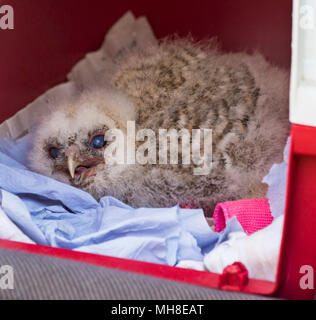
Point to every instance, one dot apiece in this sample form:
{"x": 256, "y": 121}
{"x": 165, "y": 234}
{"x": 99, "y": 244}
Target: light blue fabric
{"x": 56, "y": 214}
{"x": 276, "y": 180}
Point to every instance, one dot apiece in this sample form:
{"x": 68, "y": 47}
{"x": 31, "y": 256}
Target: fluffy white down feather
{"x": 181, "y": 84}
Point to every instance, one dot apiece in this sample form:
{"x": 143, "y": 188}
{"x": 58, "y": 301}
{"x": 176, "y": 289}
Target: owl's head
{"x": 68, "y": 144}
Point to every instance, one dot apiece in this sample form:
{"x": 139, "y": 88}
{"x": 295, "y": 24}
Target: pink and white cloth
{"x": 252, "y": 214}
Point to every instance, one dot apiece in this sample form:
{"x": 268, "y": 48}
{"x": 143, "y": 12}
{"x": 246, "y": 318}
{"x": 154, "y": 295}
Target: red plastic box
{"x": 49, "y": 37}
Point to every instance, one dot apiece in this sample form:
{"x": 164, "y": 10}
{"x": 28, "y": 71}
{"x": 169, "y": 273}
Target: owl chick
{"x": 180, "y": 84}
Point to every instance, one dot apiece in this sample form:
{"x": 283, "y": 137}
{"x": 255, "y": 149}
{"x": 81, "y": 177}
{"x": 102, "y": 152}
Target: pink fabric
{"x": 252, "y": 214}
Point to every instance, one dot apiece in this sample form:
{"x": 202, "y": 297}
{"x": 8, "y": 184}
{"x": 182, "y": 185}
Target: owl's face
{"x": 78, "y": 156}
{"x": 69, "y": 143}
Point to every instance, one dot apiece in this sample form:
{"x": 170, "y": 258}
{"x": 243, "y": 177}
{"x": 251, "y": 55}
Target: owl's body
{"x": 242, "y": 98}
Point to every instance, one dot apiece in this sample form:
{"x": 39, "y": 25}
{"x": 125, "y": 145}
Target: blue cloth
{"x": 56, "y": 214}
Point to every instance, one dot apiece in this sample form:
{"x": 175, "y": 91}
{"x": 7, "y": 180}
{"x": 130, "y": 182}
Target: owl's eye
{"x": 97, "y": 141}
{"x": 53, "y": 152}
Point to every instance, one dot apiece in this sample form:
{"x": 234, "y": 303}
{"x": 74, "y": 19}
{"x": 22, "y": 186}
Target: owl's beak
{"x": 72, "y": 162}
{"x": 80, "y": 170}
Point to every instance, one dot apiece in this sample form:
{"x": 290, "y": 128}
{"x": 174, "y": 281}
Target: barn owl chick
{"x": 180, "y": 84}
